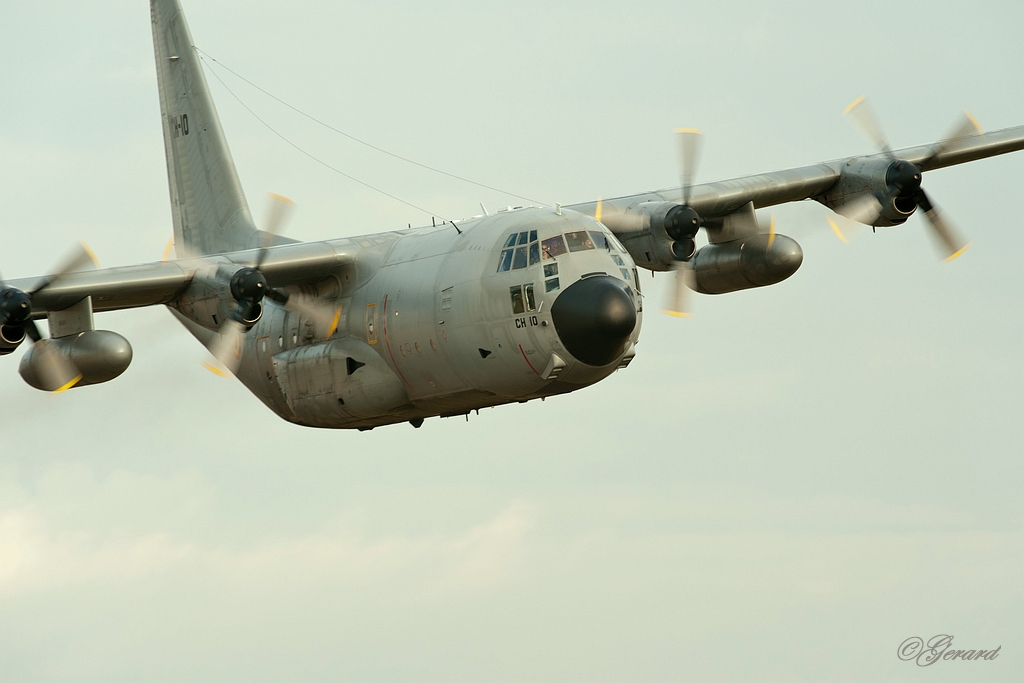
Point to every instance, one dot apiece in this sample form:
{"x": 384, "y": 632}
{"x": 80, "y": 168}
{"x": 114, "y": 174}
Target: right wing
{"x": 161, "y": 283}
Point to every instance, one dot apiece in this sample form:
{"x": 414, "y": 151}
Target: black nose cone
{"x": 594, "y": 318}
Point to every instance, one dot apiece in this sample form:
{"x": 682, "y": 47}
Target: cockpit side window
{"x": 531, "y": 300}
{"x": 601, "y": 240}
{"x": 517, "y": 299}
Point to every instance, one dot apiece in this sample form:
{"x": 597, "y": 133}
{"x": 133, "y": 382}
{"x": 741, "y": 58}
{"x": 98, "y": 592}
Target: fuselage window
{"x": 579, "y": 241}
{"x": 550, "y": 269}
{"x": 553, "y": 247}
{"x": 531, "y": 301}
{"x": 551, "y": 285}
{"x": 517, "y": 299}
{"x": 523, "y": 237}
{"x": 625, "y": 274}
{"x": 618, "y": 260}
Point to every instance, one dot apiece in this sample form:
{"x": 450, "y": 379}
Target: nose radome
{"x": 594, "y": 318}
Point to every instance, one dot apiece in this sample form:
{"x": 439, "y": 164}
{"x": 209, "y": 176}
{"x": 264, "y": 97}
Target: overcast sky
{"x": 784, "y": 487}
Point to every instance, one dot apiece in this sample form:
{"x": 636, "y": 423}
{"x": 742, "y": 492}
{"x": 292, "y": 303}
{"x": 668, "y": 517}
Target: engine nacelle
{"x": 10, "y": 339}
{"x": 99, "y": 355}
{"x": 657, "y": 234}
{"x": 871, "y": 177}
{"x": 745, "y": 263}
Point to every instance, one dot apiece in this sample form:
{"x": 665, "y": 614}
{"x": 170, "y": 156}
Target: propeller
{"x": 682, "y": 224}
{"x": 249, "y": 286}
{"x": 55, "y": 368}
{"x": 905, "y": 177}
{"x": 680, "y": 301}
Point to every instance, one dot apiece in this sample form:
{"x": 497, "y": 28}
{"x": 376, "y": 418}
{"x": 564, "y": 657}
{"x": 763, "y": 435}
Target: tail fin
{"x": 207, "y": 204}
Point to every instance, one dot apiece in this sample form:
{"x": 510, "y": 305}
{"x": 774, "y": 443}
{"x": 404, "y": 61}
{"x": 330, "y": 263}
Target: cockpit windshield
{"x": 522, "y": 249}
{"x": 579, "y": 241}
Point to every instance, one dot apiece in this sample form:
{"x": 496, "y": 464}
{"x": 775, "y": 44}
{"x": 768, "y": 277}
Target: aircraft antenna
{"x": 358, "y": 140}
{"x": 312, "y": 156}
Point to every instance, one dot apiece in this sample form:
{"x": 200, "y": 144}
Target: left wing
{"x": 811, "y": 182}
{"x": 883, "y": 189}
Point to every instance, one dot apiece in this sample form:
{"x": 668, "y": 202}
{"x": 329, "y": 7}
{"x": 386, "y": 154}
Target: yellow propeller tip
{"x": 167, "y": 250}
{"x": 90, "y": 253}
{"x": 690, "y": 131}
{"x": 217, "y": 371}
{"x": 957, "y": 254}
{"x": 677, "y": 314}
{"x": 974, "y": 121}
{"x": 837, "y": 231}
{"x": 280, "y": 198}
{"x": 853, "y": 104}
{"x": 67, "y": 386}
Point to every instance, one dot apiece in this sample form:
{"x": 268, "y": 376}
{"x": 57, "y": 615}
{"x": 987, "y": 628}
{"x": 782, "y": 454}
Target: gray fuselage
{"x": 439, "y": 321}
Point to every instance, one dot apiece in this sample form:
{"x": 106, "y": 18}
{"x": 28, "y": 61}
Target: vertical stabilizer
{"x": 208, "y": 207}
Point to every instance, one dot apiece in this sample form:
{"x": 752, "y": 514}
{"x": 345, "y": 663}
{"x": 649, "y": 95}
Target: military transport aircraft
{"x": 441, "y": 320}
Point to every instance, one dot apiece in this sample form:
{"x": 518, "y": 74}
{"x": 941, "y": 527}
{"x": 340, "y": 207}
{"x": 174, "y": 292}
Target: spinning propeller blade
{"x": 680, "y": 301}
{"x": 227, "y": 349}
{"x": 905, "y": 178}
{"x": 862, "y": 116}
{"x": 79, "y": 257}
{"x": 249, "y": 287}
{"x": 689, "y": 156}
{"x": 57, "y": 372}
{"x": 277, "y": 216}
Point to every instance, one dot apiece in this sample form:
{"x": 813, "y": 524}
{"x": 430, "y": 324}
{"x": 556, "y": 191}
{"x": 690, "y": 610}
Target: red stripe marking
{"x": 528, "y": 360}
